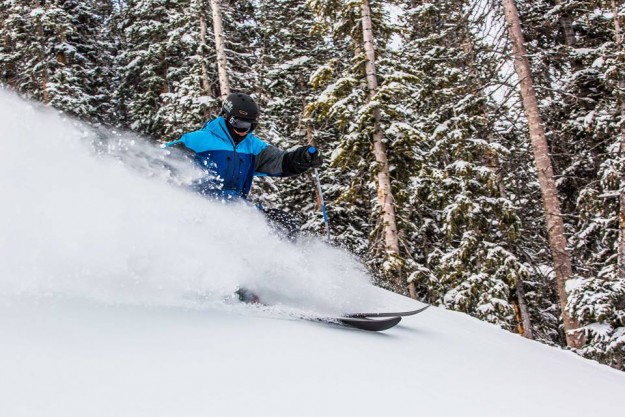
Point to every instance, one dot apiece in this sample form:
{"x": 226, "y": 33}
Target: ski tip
{"x": 389, "y": 314}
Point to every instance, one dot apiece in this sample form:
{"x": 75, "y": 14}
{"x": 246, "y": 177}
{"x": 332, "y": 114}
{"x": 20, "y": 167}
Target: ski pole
{"x": 312, "y": 150}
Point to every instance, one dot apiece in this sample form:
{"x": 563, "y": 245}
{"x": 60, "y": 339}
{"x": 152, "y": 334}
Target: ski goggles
{"x": 242, "y": 125}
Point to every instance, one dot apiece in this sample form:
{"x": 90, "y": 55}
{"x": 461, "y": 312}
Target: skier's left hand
{"x": 301, "y": 159}
{"x": 312, "y": 156}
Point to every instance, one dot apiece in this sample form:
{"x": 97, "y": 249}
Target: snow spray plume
{"x": 106, "y": 216}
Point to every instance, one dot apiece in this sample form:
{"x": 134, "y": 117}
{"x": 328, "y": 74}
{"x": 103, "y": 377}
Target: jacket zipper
{"x": 227, "y": 184}
{"x": 234, "y": 167}
{"x": 239, "y": 170}
{"x": 234, "y": 164}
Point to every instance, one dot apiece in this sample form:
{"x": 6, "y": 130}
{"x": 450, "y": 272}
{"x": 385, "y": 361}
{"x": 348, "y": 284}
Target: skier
{"x": 230, "y": 154}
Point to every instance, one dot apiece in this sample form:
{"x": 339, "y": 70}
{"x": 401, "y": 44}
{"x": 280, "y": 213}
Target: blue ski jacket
{"x": 230, "y": 167}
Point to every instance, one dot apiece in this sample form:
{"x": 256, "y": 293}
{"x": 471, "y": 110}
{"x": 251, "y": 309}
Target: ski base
{"x": 368, "y": 324}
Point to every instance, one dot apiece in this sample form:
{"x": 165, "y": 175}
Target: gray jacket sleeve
{"x": 269, "y": 161}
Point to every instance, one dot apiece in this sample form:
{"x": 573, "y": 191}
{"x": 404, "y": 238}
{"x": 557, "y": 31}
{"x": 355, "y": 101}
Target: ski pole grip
{"x": 311, "y": 153}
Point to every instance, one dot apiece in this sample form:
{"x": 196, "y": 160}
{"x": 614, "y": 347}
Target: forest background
{"x": 423, "y": 112}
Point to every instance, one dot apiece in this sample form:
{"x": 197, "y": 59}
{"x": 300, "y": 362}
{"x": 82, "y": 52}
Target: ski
{"x": 369, "y": 324}
{"x": 388, "y": 314}
{"x": 375, "y": 322}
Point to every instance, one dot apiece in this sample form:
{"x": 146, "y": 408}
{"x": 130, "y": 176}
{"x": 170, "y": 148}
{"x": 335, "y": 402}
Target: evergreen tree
{"x": 573, "y": 48}
{"x": 460, "y": 227}
{"x": 343, "y": 99}
{"x": 161, "y": 67}
{"x": 286, "y": 62}
{"x": 242, "y": 43}
{"x": 598, "y": 299}
{"x": 51, "y": 53}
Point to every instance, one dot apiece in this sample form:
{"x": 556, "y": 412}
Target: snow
{"x": 66, "y": 48}
{"x": 598, "y": 63}
{"x": 36, "y": 12}
{"x": 296, "y": 62}
{"x": 76, "y": 358}
{"x": 115, "y": 300}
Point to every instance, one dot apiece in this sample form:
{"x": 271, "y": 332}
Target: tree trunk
{"x": 567, "y": 26}
{"x": 44, "y": 79}
{"x": 525, "y": 322}
{"x": 220, "y": 46}
{"x": 385, "y": 195}
{"x": 203, "y": 39}
{"x": 621, "y": 222}
{"x": 553, "y": 217}
{"x": 621, "y": 155}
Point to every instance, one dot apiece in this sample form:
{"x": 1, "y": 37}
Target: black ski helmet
{"x": 240, "y": 111}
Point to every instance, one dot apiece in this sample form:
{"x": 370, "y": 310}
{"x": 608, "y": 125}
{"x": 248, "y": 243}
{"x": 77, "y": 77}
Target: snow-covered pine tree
{"x": 358, "y": 112}
{"x": 161, "y": 67}
{"x": 598, "y": 299}
{"x": 16, "y": 32}
{"x": 288, "y": 58}
{"x": 103, "y": 77}
{"x": 51, "y": 53}
{"x": 572, "y": 51}
{"x": 544, "y": 168}
{"x": 519, "y": 177}
{"x": 461, "y": 229}
{"x": 141, "y": 64}
{"x": 385, "y": 199}
{"x": 189, "y": 104}
{"x": 242, "y": 40}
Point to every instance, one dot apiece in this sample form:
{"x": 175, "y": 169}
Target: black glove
{"x": 301, "y": 159}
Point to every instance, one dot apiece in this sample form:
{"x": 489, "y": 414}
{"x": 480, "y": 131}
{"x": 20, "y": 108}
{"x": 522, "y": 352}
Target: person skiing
{"x": 231, "y": 155}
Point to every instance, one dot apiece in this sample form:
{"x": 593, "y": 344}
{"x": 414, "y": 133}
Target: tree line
{"x": 475, "y": 148}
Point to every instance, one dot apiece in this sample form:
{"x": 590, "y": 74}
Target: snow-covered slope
{"x": 77, "y": 358}
{"x": 115, "y": 300}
